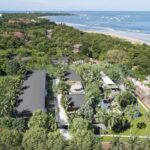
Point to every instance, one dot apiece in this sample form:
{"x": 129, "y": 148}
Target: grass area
{"x": 108, "y": 139}
{"x": 134, "y": 130}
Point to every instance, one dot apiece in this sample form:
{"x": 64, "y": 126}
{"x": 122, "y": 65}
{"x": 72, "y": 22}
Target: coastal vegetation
{"x": 29, "y": 42}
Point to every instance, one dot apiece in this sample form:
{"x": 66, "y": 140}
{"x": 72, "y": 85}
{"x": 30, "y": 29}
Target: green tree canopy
{"x": 84, "y": 140}
{"x": 41, "y": 119}
{"x": 56, "y": 141}
{"x": 80, "y": 124}
{"x": 10, "y": 139}
{"x": 126, "y": 98}
{"x": 12, "y": 67}
{"x": 62, "y": 87}
{"x": 35, "y": 139}
{"x": 12, "y": 123}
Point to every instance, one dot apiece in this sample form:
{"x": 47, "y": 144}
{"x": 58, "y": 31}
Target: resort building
{"x": 62, "y": 60}
{"x": 32, "y": 94}
{"x": 142, "y": 91}
{"x": 19, "y": 35}
{"x": 108, "y": 83}
{"x": 49, "y": 33}
{"x": 77, "y": 48}
{"x": 77, "y": 94}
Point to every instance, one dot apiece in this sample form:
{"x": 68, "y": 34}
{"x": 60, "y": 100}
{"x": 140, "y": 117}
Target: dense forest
{"x": 29, "y": 42}
{"x": 35, "y": 39}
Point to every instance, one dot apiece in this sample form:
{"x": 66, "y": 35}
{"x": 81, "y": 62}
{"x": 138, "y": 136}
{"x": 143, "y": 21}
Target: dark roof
{"x": 76, "y": 100}
{"x": 33, "y": 92}
{"x": 71, "y": 75}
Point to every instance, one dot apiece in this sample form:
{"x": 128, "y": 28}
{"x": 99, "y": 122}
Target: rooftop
{"x": 143, "y": 87}
{"x": 106, "y": 79}
{"x": 71, "y": 75}
{"x": 77, "y": 88}
{"x": 33, "y": 92}
{"x": 77, "y": 45}
{"x": 76, "y": 100}
{"x": 61, "y": 60}
{"x": 19, "y": 35}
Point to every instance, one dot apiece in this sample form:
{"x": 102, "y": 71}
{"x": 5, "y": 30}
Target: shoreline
{"x": 115, "y": 35}
{"x": 122, "y": 35}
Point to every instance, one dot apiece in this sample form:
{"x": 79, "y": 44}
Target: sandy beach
{"x": 132, "y": 40}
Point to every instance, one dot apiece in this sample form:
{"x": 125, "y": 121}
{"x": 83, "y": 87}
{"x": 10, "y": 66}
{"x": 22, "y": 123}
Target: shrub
{"x": 141, "y": 125}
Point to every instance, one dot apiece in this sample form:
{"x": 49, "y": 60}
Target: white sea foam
{"x": 111, "y": 18}
{"x": 120, "y": 23}
{"x": 83, "y": 15}
{"x": 75, "y": 24}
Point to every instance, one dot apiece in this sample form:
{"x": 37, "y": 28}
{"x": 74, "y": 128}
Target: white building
{"x": 107, "y": 82}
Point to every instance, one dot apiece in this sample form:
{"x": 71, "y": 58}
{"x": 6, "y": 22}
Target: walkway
{"x": 61, "y": 114}
{"x": 143, "y": 105}
{"x": 122, "y": 136}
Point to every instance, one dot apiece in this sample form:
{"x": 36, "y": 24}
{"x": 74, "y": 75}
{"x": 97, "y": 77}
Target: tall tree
{"x": 147, "y": 121}
{"x": 146, "y": 143}
{"x": 12, "y": 67}
{"x": 126, "y": 98}
{"x": 56, "y": 141}
{"x": 42, "y": 119}
{"x": 62, "y": 87}
{"x": 130, "y": 112}
{"x": 35, "y": 139}
{"x": 80, "y": 124}
{"x": 84, "y": 140}
{"x": 117, "y": 144}
{"x": 10, "y": 139}
{"x": 134, "y": 143}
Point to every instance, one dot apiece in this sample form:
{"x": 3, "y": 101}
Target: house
{"x": 75, "y": 102}
{"x": 108, "y": 83}
{"x": 77, "y": 88}
{"x": 61, "y": 60}
{"x": 19, "y": 35}
{"x": 142, "y": 91}
{"x": 99, "y": 128}
{"x": 76, "y": 94}
{"x": 78, "y": 62}
{"x": 33, "y": 93}
{"x": 49, "y": 33}
{"x": 77, "y": 48}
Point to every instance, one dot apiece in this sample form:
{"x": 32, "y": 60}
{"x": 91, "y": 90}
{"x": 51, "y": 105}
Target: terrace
{"x": 76, "y": 95}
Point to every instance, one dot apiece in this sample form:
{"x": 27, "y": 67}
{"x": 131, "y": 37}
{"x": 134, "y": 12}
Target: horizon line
{"x": 74, "y": 10}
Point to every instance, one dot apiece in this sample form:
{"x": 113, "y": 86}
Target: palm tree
{"x": 62, "y": 87}
{"x": 126, "y": 98}
{"x": 130, "y": 112}
{"x": 117, "y": 144}
{"x": 4, "y": 107}
{"x": 147, "y": 120}
{"x": 134, "y": 143}
{"x": 101, "y": 116}
{"x": 112, "y": 120}
{"x": 146, "y": 143}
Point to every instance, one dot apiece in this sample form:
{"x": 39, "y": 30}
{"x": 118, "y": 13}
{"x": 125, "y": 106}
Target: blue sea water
{"x": 134, "y": 25}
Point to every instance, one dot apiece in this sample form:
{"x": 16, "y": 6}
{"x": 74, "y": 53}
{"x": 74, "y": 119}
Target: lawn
{"x": 134, "y": 130}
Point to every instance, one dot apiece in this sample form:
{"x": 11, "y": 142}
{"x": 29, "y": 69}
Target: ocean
{"x": 135, "y": 25}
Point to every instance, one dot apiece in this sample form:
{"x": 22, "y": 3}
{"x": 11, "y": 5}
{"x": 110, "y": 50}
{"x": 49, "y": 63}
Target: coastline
{"x": 132, "y": 37}
{"x": 115, "y": 35}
